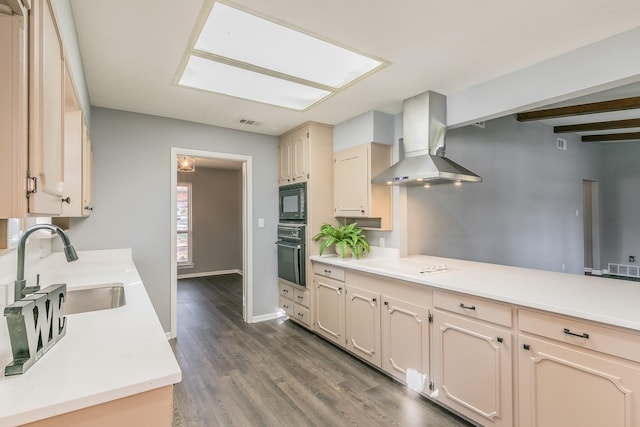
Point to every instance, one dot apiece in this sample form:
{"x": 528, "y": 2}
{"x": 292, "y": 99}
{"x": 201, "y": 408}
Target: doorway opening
{"x": 591, "y": 227}
{"x": 216, "y": 160}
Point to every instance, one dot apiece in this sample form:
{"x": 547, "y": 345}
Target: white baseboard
{"x": 209, "y": 273}
{"x": 265, "y": 317}
{"x": 597, "y": 272}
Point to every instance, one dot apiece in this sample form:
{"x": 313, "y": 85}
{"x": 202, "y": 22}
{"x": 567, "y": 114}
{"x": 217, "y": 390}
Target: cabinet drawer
{"x": 286, "y": 305}
{"x": 301, "y": 314}
{"x": 329, "y": 271}
{"x": 286, "y": 290}
{"x": 301, "y": 297}
{"x": 609, "y": 340}
{"x": 473, "y": 307}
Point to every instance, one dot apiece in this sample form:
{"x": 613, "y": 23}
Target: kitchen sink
{"x": 102, "y": 297}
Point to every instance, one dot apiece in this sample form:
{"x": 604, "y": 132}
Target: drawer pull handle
{"x": 327, "y": 271}
{"x": 374, "y": 299}
{"x": 386, "y": 303}
{"x": 526, "y": 346}
{"x": 499, "y": 339}
{"x": 467, "y": 307}
{"x": 582, "y": 335}
{"x": 300, "y": 297}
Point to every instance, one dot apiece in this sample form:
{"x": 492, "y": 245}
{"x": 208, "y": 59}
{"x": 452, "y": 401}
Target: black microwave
{"x": 293, "y": 202}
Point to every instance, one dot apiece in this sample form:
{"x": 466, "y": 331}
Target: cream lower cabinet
{"x": 329, "y": 305}
{"x": 405, "y": 337}
{"x": 472, "y": 368}
{"x": 472, "y": 357}
{"x": 362, "y": 311}
{"x": 576, "y": 374}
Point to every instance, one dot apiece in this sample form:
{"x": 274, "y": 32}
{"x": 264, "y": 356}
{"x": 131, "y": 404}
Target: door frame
{"x": 247, "y": 235}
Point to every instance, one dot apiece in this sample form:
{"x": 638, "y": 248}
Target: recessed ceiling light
{"x": 275, "y": 63}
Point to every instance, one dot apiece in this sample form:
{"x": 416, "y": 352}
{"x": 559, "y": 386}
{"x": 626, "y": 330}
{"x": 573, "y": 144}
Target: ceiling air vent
{"x": 249, "y": 122}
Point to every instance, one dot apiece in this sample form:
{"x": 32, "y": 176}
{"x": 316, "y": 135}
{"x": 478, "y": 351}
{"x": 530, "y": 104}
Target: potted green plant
{"x": 345, "y": 238}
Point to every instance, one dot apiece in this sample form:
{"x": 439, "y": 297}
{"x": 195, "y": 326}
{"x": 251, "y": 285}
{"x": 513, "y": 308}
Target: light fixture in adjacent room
{"x": 186, "y": 164}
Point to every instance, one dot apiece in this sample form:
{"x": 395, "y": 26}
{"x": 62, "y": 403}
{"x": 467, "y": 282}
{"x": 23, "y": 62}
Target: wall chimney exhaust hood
{"x": 422, "y": 152}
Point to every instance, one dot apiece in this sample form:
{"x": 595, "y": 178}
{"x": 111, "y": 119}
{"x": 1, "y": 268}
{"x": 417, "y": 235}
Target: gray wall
{"x": 620, "y": 196}
{"x": 524, "y": 211}
{"x": 216, "y": 196}
{"x": 132, "y": 202}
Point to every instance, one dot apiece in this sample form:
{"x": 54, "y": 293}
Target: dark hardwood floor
{"x": 276, "y": 373}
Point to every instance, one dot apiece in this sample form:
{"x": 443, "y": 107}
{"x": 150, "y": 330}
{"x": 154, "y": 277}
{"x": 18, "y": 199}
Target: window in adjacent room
{"x": 183, "y": 204}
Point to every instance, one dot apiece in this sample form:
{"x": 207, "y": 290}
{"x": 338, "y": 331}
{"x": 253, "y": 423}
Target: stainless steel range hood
{"x": 422, "y": 158}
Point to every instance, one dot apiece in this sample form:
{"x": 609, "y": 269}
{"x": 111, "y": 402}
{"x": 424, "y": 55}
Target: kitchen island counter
{"x": 609, "y": 301}
{"x": 105, "y": 355}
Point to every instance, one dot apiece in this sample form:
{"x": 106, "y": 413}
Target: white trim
{"x": 599, "y": 272}
{"x": 168, "y": 335}
{"x": 210, "y": 273}
{"x": 265, "y": 317}
{"x": 247, "y": 233}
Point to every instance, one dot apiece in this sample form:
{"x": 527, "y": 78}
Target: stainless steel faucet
{"x": 21, "y": 289}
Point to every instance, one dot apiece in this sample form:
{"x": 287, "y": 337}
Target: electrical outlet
{"x": 561, "y": 143}
{"x": 632, "y": 258}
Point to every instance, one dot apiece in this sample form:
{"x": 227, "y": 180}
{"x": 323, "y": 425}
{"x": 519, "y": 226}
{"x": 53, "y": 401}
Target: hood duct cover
{"x": 422, "y": 152}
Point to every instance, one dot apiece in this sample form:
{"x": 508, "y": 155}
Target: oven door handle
{"x": 288, "y": 244}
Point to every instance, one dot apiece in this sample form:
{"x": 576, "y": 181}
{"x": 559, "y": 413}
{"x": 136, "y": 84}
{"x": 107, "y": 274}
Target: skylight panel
{"x": 217, "y": 77}
{"x": 232, "y": 33}
{"x": 239, "y": 54}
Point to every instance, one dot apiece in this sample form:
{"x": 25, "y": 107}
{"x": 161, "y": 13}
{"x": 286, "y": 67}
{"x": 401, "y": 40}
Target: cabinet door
{"x": 87, "y": 174}
{"x": 472, "y": 368}
{"x": 363, "y": 324}
{"x": 46, "y": 102}
{"x": 285, "y": 149}
{"x": 351, "y": 182}
{"x": 405, "y": 337}
{"x": 560, "y": 386}
{"x": 13, "y": 115}
{"x": 300, "y": 155}
{"x": 73, "y": 134}
{"x": 329, "y": 301}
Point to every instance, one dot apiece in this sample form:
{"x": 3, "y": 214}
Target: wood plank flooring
{"x": 276, "y": 373}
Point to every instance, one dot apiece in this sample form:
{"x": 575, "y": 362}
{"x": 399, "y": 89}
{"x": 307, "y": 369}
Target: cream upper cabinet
{"x": 362, "y": 311}
{"x": 329, "y": 305}
{"x": 354, "y": 195}
{"x": 13, "y": 113}
{"x": 576, "y": 374}
{"x": 46, "y": 108}
{"x": 405, "y": 337}
{"x": 294, "y": 157}
{"x": 76, "y": 200}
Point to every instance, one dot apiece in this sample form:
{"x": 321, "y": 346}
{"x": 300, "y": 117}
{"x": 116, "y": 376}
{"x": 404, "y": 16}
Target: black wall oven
{"x": 291, "y": 253}
{"x": 293, "y": 203}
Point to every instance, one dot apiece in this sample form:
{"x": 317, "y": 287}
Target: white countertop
{"x": 609, "y": 301}
{"x": 105, "y": 355}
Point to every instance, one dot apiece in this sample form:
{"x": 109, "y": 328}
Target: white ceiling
{"x": 131, "y": 50}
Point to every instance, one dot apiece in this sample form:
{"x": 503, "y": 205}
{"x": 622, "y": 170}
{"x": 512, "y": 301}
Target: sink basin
{"x": 103, "y": 297}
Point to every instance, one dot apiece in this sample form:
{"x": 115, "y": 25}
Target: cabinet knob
{"x": 67, "y": 200}
{"x": 499, "y": 339}
{"x": 386, "y": 303}
{"x": 374, "y": 299}
{"x": 526, "y": 346}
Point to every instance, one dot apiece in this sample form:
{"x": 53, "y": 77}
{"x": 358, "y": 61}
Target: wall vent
{"x": 624, "y": 270}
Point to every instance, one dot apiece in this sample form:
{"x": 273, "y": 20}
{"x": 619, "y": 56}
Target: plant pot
{"x": 347, "y": 252}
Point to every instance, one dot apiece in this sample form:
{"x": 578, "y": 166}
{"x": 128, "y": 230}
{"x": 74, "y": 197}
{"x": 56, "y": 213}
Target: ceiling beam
{"x": 581, "y": 109}
{"x": 587, "y": 127}
{"x": 610, "y": 137}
